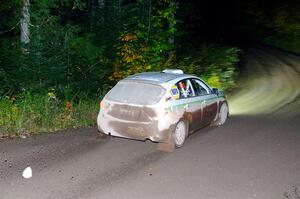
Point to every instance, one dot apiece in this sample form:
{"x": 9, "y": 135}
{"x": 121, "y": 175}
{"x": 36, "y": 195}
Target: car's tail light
{"x": 102, "y": 104}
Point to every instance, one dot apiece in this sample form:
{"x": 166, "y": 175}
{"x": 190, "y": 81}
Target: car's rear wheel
{"x": 177, "y": 138}
{"x": 180, "y": 134}
{"x": 221, "y": 116}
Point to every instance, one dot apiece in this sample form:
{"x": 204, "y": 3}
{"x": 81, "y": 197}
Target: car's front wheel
{"x": 221, "y": 116}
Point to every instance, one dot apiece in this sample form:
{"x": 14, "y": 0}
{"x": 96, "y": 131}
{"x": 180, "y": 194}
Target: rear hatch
{"x": 130, "y": 100}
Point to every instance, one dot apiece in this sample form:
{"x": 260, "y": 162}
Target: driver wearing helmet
{"x": 182, "y": 89}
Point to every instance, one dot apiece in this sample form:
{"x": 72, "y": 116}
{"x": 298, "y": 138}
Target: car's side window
{"x": 200, "y": 87}
{"x": 183, "y": 89}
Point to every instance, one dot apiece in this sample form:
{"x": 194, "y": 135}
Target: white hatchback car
{"x": 164, "y": 107}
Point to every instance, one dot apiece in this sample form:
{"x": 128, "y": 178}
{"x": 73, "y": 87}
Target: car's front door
{"x": 209, "y": 101}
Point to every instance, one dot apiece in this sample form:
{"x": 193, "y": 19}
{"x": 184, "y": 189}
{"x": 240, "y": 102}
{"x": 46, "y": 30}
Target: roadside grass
{"x": 30, "y": 113}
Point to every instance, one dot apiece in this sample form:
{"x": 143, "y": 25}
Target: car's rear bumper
{"x": 155, "y": 130}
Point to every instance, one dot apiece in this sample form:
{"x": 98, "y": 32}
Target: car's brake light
{"x": 102, "y": 105}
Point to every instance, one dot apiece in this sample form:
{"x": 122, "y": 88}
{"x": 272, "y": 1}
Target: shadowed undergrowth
{"x": 36, "y": 113}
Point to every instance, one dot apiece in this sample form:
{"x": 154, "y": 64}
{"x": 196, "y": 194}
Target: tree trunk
{"x": 149, "y": 19}
{"x": 171, "y": 38}
{"x": 101, "y": 4}
{"x": 25, "y": 21}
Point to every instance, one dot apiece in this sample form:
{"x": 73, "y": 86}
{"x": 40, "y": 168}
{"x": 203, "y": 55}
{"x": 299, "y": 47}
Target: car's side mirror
{"x": 215, "y": 91}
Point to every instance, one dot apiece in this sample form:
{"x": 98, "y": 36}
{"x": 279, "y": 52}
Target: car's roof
{"x": 156, "y": 77}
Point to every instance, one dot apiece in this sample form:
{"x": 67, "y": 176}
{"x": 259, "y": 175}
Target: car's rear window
{"x": 136, "y": 93}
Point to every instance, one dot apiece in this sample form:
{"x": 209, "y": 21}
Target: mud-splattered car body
{"x": 150, "y": 105}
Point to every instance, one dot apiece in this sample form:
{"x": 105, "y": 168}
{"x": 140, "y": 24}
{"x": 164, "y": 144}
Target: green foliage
{"x": 9, "y": 15}
{"x": 59, "y": 55}
{"x": 276, "y": 23}
{"x": 214, "y": 64}
{"x": 81, "y": 54}
{"x": 9, "y": 62}
{"x": 286, "y": 25}
{"x": 145, "y": 45}
{"x": 36, "y": 113}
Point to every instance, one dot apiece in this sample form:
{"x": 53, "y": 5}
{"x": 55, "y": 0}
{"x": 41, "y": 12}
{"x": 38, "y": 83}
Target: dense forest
{"x": 59, "y": 57}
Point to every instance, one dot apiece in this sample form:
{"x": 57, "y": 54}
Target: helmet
{"x": 181, "y": 85}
